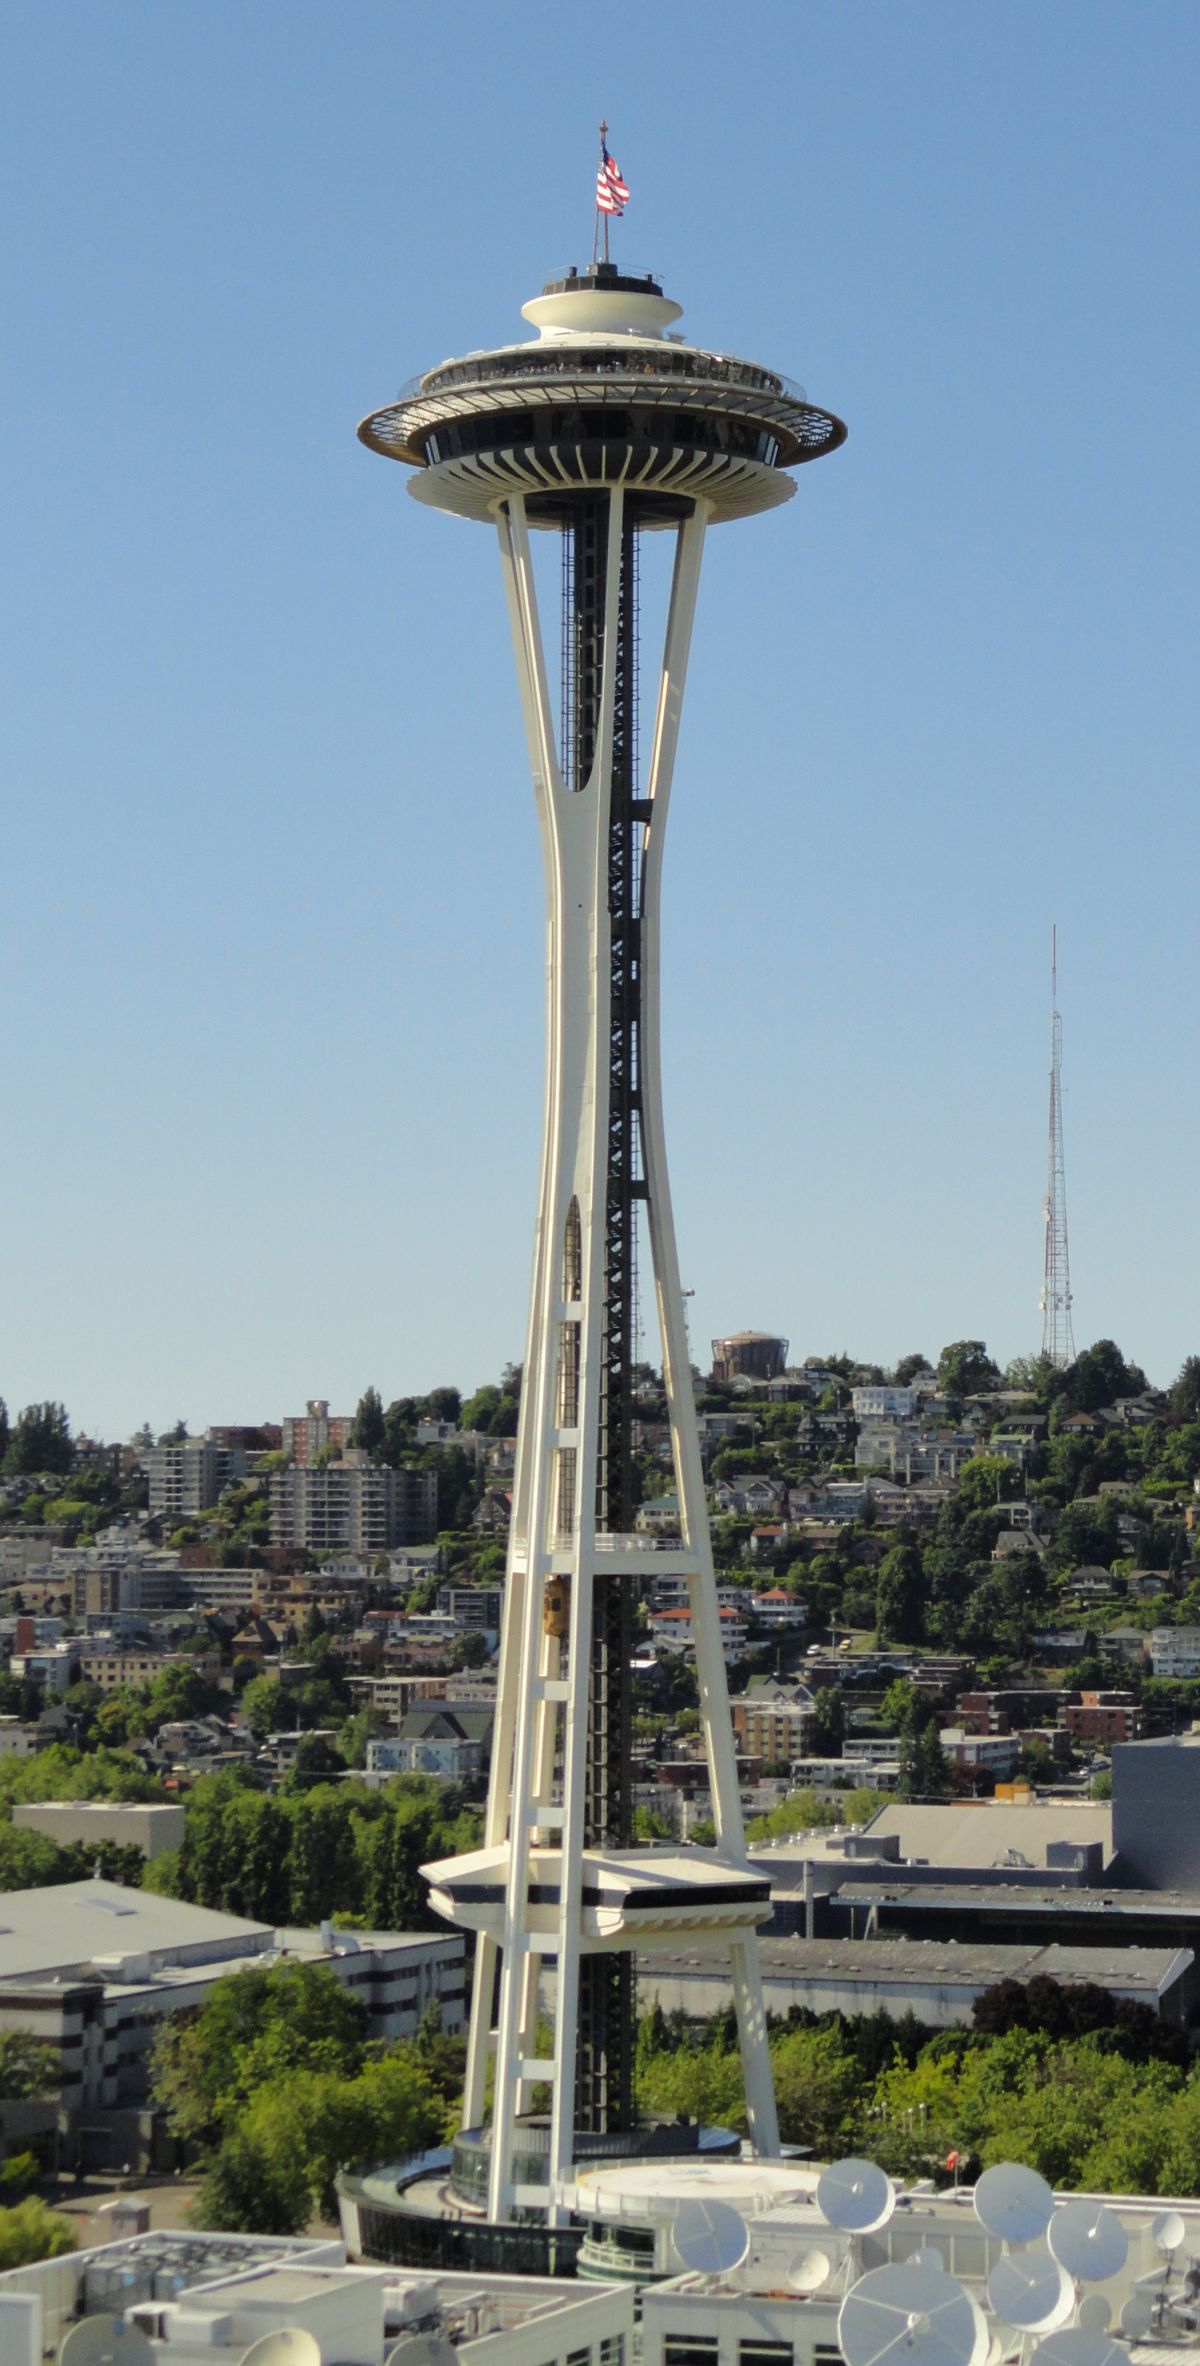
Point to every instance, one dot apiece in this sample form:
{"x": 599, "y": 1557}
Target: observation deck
{"x": 605, "y": 395}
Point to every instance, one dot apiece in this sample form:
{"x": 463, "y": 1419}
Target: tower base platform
{"x": 432, "y": 2211}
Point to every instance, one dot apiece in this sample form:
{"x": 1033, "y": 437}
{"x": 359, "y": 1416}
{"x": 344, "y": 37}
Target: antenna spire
{"x": 1058, "y": 1344}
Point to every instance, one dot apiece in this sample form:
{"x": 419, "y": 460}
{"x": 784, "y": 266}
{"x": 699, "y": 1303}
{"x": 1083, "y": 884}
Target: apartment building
{"x": 305, "y": 1435}
{"x": 352, "y": 1506}
{"x": 190, "y": 1477}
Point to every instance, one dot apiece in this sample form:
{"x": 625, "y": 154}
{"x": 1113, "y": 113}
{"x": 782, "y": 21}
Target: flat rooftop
{"x": 51, "y": 1933}
{"x": 942, "y": 1963}
{"x": 979, "y": 1832}
{"x": 1009, "y": 1898}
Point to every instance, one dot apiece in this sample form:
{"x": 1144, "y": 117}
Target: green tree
{"x": 829, "y": 1723}
{"x": 987, "y": 1479}
{"x": 253, "y": 2187}
{"x": 30, "y": 2231}
{"x": 965, "y": 1369}
{"x": 1099, "y": 1376}
{"x": 254, "y": 2028}
{"x": 269, "y": 1708}
{"x": 935, "y": 1771}
{"x": 27, "y": 2068}
{"x": 1184, "y": 1398}
{"x": 368, "y": 1427}
{"x": 818, "y": 2091}
{"x": 908, "y": 1367}
{"x": 900, "y": 1595}
{"x": 41, "y": 1442}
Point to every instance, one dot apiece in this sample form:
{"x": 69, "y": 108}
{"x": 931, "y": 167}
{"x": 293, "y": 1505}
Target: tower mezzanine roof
{"x": 604, "y": 395}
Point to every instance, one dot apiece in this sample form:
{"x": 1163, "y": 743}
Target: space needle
{"x": 606, "y": 427}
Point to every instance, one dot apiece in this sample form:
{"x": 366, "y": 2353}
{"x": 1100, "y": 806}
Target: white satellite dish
{"x": 930, "y": 2256}
{"x": 810, "y": 2271}
{"x": 423, "y": 2349}
{"x": 855, "y": 2196}
{"x": 1030, "y": 2290}
{"x": 1089, "y": 2241}
{"x": 1094, "y": 2313}
{"x": 1074, "y": 2345}
{"x": 1168, "y": 2230}
{"x": 288, "y": 2345}
{"x": 1137, "y": 2315}
{"x": 710, "y": 2238}
{"x": 1013, "y": 2203}
{"x": 911, "y": 2312}
{"x": 105, "y": 2341}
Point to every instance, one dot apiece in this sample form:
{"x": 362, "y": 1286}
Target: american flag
{"x": 612, "y": 194}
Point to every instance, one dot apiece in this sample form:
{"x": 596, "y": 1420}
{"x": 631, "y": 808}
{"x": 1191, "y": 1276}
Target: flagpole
{"x": 601, "y": 218}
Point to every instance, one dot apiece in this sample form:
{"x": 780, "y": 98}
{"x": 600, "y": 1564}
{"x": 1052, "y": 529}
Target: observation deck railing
{"x": 548, "y": 362}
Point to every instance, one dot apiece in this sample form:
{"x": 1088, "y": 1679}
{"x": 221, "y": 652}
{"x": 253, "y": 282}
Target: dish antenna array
{"x": 422, "y": 2349}
{"x": 105, "y": 2341}
{"x": 912, "y": 2312}
{"x": 1042, "y": 2289}
{"x": 1152, "y": 2308}
{"x": 710, "y": 2238}
{"x": 116, "y": 2341}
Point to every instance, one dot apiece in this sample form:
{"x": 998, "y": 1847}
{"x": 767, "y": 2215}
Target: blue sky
{"x": 270, "y": 906}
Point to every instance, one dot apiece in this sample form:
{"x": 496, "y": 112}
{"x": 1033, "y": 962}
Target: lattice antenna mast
{"x": 1058, "y": 1344}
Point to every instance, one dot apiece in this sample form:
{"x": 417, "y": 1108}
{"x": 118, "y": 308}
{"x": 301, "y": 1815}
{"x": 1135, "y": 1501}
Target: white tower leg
{"x": 537, "y": 1799}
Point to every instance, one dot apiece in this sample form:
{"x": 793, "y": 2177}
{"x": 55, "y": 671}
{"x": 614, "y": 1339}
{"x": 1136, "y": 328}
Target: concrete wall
{"x": 1156, "y": 1813}
{"x": 133, "y": 1824}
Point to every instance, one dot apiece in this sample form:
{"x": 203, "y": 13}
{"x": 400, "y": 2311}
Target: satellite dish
{"x": 810, "y": 2271}
{"x": 289, "y": 2345}
{"x": 1137, "y": 2315}
{"x": 1030, "y": 2290}
{"x": 1073, "y": 2345}
{"x": 930, "y": 2256}
{"x": 1168, "y": 2230}
{"x": 423, "y": 2349}
{"x": 1088, "y": 2241}
{"x": 1014, "y": 2203}
{"x": 1094, "y": 2313}
{"x": 106, "y": 2341}
{"x": 710, "y": 2238}
{"x": 855, "y": 2196}
{"x": 911, "y": 2312}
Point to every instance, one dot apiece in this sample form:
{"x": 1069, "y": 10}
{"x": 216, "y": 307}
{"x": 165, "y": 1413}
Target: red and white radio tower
{"x": 1058, "y": 1345}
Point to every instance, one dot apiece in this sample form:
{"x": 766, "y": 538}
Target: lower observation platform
{"x": 629, "y": 1897}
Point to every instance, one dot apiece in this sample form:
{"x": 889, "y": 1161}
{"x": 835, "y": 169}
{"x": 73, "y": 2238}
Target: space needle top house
{"x": 604, "y": 428}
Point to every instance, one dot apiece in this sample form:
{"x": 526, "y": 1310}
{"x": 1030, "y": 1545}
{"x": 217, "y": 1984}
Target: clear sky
{"x": 270, "y": 903}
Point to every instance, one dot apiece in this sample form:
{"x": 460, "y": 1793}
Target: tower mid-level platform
{"x": 628, "y": 1898}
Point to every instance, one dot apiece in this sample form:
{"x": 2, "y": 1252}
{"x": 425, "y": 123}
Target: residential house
{"x": 1105, "y": 1718}
{"x": 438, "y": 1740}
{"x": 672, "y": 1631}
{"x": 981, "y": 1753}
{"x": 493, "y": 1512}
{"x": 896, "y": 1404}
{"x": 776, "y": 1608}
{"x": 1175, "y": 1652}
{"x": 773, "y": 1720}
{"x": 659, "y": 1517}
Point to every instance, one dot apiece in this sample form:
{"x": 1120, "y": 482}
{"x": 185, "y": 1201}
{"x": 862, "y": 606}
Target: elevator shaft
{"x": 607, "y": 1995}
